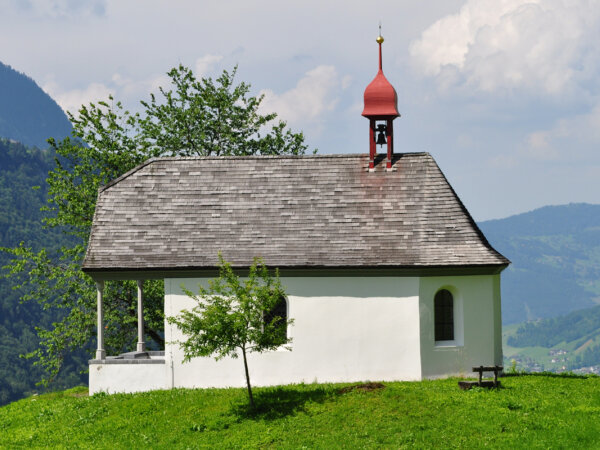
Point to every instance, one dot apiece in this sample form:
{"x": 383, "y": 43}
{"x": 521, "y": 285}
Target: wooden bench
{"x": 465, "y": 385}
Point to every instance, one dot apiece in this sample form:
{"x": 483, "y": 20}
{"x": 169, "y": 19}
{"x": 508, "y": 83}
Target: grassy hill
{"x": 528, "y": 412}
{"x": 555, "y": 254}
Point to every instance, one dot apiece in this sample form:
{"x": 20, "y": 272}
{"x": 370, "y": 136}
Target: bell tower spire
{"x": 381, "y": 108}
{"x": 380, "y": 41}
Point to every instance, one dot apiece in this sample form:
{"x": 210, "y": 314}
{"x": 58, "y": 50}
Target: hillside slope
{"x": 555, "y": 254}
{"x": 21, "y": 169}
{"x": 530, "y": 412}
{"x": 569, "y": 342}
{"x": 27, "y": 113}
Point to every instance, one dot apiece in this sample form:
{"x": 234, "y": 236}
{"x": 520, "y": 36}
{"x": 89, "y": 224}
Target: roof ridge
{"x": 320, "y": 156}
{"x": 244, "y": 157}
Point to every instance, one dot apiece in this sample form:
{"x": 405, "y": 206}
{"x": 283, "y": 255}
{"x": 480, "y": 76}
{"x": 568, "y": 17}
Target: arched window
{"x": 444, "y": 315}
{"x": 278, "y": 316}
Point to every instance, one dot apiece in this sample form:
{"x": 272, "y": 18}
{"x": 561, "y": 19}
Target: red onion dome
{"x": 381, "y": 100}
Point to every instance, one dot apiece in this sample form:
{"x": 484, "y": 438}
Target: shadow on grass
{"x": 277, "y": 402}
{"x": 550, "y": 375}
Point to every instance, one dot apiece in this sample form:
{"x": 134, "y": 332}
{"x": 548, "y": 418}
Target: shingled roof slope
{"x": 293, "y": 211}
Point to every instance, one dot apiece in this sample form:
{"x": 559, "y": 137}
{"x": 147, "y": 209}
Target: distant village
{"x": 560, "y": 362}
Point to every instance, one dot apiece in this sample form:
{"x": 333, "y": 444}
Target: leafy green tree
{"x": 203, "y": 118}
{"x": 234, "y": 316}
{"x": 195, "y": 118}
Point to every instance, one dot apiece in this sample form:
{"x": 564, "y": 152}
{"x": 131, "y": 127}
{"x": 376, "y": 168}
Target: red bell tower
{"x": 381, "y": 108}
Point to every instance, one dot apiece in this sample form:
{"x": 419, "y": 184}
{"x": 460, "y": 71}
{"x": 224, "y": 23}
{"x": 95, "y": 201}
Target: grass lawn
{"x": 529, "y": 411}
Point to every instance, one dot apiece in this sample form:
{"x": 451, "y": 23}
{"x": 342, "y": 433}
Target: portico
{"x": 134, "y": 371}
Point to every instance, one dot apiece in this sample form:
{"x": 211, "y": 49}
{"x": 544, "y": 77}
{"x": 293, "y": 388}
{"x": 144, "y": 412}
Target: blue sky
{"x": 505, "y": 94}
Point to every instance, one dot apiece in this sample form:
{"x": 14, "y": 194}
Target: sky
{"x": 505, "y": 94}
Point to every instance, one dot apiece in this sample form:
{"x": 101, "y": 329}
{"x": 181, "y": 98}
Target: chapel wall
{"x": 478, "y": 325}
{"x": 345, "y": 329}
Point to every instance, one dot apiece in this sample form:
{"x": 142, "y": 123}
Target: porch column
{"x": 141, "y": 345}
{"x": 100, "y": 352}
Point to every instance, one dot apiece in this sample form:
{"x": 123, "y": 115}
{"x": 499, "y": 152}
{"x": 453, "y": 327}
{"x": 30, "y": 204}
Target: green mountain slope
{"x": 580, "y": 325}
{"x": 569, "y": 342}
{"x": 555, "y": 254}
{"x": 27, "y": 113}
{"x": 22, "y": 168}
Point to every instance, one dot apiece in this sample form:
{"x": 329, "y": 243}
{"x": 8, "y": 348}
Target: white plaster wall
{"x": 114, "y": 378}
{"x": 478, "y": 325}
{"x": 345, "y": 329}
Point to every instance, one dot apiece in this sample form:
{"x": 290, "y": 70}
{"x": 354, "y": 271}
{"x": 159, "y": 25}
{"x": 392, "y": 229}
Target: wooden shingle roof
{"x": 293, "y": 211}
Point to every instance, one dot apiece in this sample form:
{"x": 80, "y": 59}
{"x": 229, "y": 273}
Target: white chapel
{"x": 387, "y": 275}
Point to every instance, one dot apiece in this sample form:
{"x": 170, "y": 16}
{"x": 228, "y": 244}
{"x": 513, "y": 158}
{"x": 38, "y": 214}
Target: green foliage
{"x": 530, "y": 412}
{"x": 54, "y": 278}
{"x": 229, "y": 316}
{"x": 108, "y": 141}
{"x": 203, "y": 118}
{"x": 22, "y": 192}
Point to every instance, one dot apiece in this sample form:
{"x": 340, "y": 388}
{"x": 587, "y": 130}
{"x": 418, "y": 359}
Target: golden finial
{"x": 380, "y": 37}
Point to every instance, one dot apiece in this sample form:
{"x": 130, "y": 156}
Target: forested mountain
{"x": 27, "y": 113}
{"x": 30, "y": 116}
{"x": 22, "y": 168}
{"x": 580, "y": 325}
{"x": 569, "y": 342}
{"x": 555, "y": 254}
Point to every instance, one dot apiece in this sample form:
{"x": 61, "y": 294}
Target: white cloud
{"x": 71, "y": 100}
{"x": 205, "y": 64}
{"x": 311, "y": 98}
{"x": 125, "y": 89}
{"x": 346, "y": 82}
{"x": 62, "y": 8}
{"x": 571, "y": 138}
{"x": 547, "y": 46}
{"x": 129, "y": 88}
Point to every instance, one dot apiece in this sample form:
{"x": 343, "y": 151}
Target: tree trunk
{"x": 248, "y": 378}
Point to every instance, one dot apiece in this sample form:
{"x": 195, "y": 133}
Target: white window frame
{"x": 457, "y": 304}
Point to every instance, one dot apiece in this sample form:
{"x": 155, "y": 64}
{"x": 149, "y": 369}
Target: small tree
{"x": 235, "y": 316}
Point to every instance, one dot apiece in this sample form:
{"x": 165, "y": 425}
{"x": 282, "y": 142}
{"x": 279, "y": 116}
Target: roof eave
{"x": 297, "y": 271}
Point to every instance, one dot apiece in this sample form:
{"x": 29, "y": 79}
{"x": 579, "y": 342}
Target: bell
{"x": 381, "y": 135}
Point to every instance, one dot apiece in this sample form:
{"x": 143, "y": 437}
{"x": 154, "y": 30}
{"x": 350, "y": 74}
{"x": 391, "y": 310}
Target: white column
{"x": 100, "y": 352}
{"x": 141, "y": 345}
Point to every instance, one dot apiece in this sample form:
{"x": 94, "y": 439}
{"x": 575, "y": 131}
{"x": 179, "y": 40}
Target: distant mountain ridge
{"x": 555, "y": 254}
{"x": 27, "y": 114}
